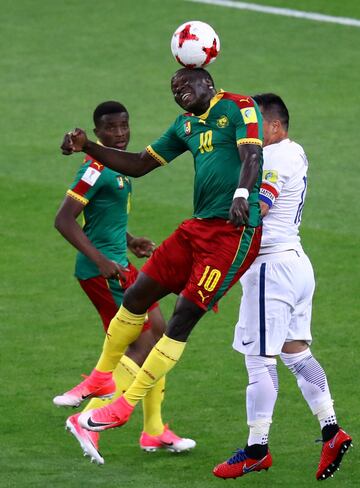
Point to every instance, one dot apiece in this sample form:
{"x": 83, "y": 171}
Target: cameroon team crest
{"x": 222, "y": 122}
{"x": 187, "y": 127}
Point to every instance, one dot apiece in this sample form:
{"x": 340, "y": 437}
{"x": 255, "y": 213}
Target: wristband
{"x": 241, "y": 193}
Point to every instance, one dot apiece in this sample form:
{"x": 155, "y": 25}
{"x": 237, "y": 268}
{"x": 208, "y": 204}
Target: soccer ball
{"x": 195, "y": 44}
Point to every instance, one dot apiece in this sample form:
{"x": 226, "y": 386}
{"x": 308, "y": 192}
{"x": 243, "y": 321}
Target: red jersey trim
{"x": 241, "y": 101}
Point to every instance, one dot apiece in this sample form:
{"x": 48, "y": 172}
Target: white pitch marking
{"x": 287, "y": 12}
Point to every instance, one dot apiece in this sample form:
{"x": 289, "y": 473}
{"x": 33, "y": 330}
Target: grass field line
{"x": 287, "y": 12}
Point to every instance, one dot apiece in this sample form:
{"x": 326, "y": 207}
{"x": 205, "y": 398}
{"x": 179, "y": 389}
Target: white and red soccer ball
{"x": 195, "y": 44}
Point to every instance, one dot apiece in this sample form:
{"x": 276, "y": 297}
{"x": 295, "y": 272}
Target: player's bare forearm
{"x": 250, "y": 155}
{"x": 66, "y": 224}
{"x": 130, "y": 164}
{"x": 73, "y": 233}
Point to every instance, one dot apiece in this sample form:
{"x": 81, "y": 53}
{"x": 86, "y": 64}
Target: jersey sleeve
{"x": 167, "y": 147}
{"x": 275, "y": 174}
{"x": 247, "y": 119}
{"x": 87, "y": 181}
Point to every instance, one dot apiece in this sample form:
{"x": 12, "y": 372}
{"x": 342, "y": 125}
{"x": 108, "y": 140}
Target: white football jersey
{"x": 283, "y": 188}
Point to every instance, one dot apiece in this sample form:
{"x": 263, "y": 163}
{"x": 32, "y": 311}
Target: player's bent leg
{"x": 143, "y": 294}
{"x": 261, "y": 395}
{"x": 160, "y": 361}
{"x": 128, "y": 322}
{"x": 312, "y": 381}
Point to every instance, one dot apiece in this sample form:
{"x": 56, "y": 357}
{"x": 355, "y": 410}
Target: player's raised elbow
{"x": 59, "y": 221}
{"x": 145, "y": 164}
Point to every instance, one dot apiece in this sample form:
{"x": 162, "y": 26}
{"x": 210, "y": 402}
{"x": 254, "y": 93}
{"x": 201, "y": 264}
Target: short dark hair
{"x": 202, "y": 71}
{"x": 110, "y": 107}
{"x": 273, "y": 107}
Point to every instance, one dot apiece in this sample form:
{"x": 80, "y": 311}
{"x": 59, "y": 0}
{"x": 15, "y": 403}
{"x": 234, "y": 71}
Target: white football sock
{"x": 261, "y": 395}
{"x": 311, "y": 379}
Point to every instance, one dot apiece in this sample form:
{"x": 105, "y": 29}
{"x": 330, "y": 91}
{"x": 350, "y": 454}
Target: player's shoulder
{"x": 91, "y": 171}
{"x": 285, "y": 148}
{"x": 242, "y": 101}
{"x": 286, "y": 155}
{"x": 90, "y": 162}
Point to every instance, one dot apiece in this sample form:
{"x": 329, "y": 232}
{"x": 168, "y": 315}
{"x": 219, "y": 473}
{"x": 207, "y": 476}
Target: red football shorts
{"x": 203, "y": 258}
{"x": 107, "y": 295}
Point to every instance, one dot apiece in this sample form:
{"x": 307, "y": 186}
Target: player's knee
{"x": 294, "y": 347}
{"x": 258, "y": 365}
{"x": 135, "y": 301}
{"x": 292, "y": 360}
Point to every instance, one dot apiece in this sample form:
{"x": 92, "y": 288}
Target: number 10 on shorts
{"x": 210, "y": 278}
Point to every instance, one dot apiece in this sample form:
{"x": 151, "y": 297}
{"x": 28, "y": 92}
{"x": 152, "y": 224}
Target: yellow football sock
{"x": 124, "y": 329}
{"x": 161, "y": 359}
{"x": 153, "y": 424}
{"x": 124, "y": 374}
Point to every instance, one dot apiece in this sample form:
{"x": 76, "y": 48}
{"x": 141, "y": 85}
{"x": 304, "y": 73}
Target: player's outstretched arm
{"x": 250, "y": 155}
{"x": 130, "y": 164}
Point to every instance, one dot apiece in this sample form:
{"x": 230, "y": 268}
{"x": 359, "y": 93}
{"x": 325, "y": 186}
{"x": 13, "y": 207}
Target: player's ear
{"x": 95, "y": 131}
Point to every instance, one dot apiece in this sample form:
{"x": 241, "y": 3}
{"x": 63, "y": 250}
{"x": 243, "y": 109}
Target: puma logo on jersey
{"x": 98, "y": 165}
{"x": 202, "y": 296}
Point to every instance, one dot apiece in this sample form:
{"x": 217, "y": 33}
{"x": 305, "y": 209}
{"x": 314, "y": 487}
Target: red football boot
{"x": 332, "y": 453}
{"x": 241, "y": 464}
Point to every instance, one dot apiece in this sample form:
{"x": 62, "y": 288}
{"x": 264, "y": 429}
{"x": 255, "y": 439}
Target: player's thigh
{"x": 170, "y": 264}
{"x": 304, "y": 285}
{"x": 218, "y": 264}
{"x": 106, "y": 296}
{"x": 265, "y": 311}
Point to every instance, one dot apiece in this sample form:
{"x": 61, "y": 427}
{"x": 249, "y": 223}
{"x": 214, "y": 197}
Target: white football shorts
{"x": 276, "y": 303}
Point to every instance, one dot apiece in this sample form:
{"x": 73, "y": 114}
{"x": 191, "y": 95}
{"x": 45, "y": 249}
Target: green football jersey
{"x": 213, "y": 139}
{"x": 105, "y": 195}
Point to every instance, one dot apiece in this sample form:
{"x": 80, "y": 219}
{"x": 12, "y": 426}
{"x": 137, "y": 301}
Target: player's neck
{"x": 277, "y": 138}
{"x": 204, "y": 104}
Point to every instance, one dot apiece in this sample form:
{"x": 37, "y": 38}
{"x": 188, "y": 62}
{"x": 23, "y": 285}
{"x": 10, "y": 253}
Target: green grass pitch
{"x": 58, "y": 60}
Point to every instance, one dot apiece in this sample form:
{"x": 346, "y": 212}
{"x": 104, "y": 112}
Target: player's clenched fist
{"x": 239, "y": 212}
{"x": 73, "y": 141}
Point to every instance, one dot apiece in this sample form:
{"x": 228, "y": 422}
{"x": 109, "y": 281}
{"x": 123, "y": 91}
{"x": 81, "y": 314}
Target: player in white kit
{"x": 275, "y": 310}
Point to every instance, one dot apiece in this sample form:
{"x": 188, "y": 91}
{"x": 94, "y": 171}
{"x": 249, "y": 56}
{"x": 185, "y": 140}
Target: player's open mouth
{"x": 120, "y": 145}
{"x": 185, "y": 96}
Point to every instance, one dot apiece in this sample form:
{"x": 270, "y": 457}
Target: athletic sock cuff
{"x": 124, "y": 315}
{"x": 170, "y": 348}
